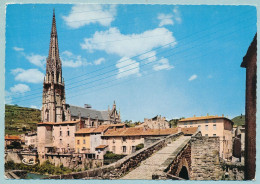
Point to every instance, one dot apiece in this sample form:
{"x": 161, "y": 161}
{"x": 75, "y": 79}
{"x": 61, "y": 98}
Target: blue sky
{"x": 174, "y": 61}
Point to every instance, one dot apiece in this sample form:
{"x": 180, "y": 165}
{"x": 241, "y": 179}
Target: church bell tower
{"x": 53, "y": 96}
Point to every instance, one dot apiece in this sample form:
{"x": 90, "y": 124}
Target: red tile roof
{"x": 189, "y": 131}
{"x": 101, "y": 146}
{"x": 135, "y": 131}
{"x": 202, "y": 118}
{"x": 12, "y": 137}
{"x": 85, "y": 131}
{"x": 59, "y": 123}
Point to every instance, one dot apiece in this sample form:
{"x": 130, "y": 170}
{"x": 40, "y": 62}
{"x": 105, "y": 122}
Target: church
{"x": 60, "y": 121}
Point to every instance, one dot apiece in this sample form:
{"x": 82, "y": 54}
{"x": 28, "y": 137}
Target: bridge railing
{"x": 122, "y": 166}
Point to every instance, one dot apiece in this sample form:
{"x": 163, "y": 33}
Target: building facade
{"x": 250, "y": 63}
{"x": 156, "y": 122}
{"x": 213, "y": 126}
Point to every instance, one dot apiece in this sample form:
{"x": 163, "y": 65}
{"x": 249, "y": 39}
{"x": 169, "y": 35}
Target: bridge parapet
{"x": 122, "y": 166}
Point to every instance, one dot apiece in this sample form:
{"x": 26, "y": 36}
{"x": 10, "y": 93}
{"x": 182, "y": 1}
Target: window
{"x": 68, "y": 133}
{"x": 84, "y": 141}
{"x": 214, "y": 126}
{"x": 190, "y": 123}
{"x": 214, "y": 120}
{"x": 206, "y": 127}
{"x": 60, "y": 141}
{"x": 206, "y": 135}
{"x": 60, "y": 133}
{"x": 133, "y": 149}
{"x": 77, "y": 141}
{"x": 214, "y": 135}
{"x": 206, "y": 121}
{"x": 124, "y": 139}
{"x": 124, "y": 149}
{"x": 198, "y": 127}
{"x": 185, "y": 123}
{"x": 78, "y": 150}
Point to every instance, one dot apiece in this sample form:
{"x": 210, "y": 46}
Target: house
{"x": 88, "y": 140}
{"x": 9, "y": 139}
{"x": 124, "y": 141}
{"x": 219, "y": 126}
{"x": 31, "y": 139}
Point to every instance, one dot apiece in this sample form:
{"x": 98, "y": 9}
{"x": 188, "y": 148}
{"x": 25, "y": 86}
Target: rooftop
{"x": 100, "y": 129}
{"x": 101, "y": 146}
{"x": 140, "y": 131}
{"x": 12, "y": 137}
{"x": 59, "y": 123}
{"x": 203, "y": 118}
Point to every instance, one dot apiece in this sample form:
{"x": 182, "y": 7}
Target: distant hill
{"x": 19, "y": 120}
{"x": 239, "y": 120}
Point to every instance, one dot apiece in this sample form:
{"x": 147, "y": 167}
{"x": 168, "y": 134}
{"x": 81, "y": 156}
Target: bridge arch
{"x": 183, "y": 170}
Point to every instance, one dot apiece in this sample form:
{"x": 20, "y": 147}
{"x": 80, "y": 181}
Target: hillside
{"x": 239, "y": 120}
{"x": 19, "y": 120}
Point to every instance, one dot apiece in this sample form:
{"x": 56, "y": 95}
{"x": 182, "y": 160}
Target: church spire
{"x": 53, "y": 60}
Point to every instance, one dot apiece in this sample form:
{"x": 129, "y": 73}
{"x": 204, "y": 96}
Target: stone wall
{"x": 205, "y": 160}
{"x": 234, "y": 171}
{"x": 13, "y": 156}
{"x": 122, "y": 166}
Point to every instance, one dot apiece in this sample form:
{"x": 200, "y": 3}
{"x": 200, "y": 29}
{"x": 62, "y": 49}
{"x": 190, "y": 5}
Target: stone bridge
{"x": 176, "y": 156}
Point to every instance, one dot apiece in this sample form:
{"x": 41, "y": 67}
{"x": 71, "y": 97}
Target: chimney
{"x": 207, "y": 114}
{"x": 222, "y": 115}
{"x": 194, "y": 116}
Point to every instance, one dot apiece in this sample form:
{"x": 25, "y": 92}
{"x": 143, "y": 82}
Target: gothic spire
{"x": 53, "y": 60}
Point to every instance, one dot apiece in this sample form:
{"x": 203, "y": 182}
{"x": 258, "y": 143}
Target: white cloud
{"x": 170, "y": 19}
{"x": 177, "y": 14}
{"x": 34, "y": 107}
{"x": 165, "y": 19}
{"x": 113, "y": 42}
{"x": 71, "y": 60}
{"x": 8, "y": 98}
{"x": 148, "y": 57}
{"x": 20, "y": 88}
{"x": 99, "y": 61}
{"x": 127, "y": 67}
{"x": 36, "y": 59}
{"x": 30, "y": 75}
{"x": 18, "y": 49}
{"x": 81, "y": 15}
{"x": 163, "y": 64}
{"x": 193, "y": 77}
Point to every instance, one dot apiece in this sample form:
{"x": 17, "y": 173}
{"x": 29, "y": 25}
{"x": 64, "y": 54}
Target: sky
{"x": 168, "y": 60}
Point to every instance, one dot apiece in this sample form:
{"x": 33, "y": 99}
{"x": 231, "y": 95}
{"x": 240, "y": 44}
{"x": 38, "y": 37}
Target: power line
{"x": 129, "y": 69}
{"x": 139, "y": 55}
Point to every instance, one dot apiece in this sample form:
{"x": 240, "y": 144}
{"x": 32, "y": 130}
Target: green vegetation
{"x": 139, "y": 146}
{"x": 239, "y": 120}
{"x": 14, "y": 145}
{"x": 46, "y": 168}
{"x": 19, "y": 120}
{"x": 129, "y": 123}
{"x": 173, "y": 123}
{"x": 111, "y": 157}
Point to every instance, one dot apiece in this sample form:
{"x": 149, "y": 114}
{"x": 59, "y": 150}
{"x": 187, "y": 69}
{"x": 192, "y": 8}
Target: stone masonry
{"x": 205, "y": 160}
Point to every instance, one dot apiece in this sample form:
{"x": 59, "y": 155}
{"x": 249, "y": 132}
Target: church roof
{"x": 88, "y": 112}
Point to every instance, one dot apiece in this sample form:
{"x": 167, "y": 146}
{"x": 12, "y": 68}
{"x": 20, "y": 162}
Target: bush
{"x": 111, "y": 155}
{"x": 139, "y": 146}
